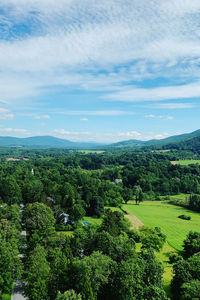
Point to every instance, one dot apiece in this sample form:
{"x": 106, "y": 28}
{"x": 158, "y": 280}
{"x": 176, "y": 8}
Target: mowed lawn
{"x": 165, "y": 216}
{"x": 185, "y": 162}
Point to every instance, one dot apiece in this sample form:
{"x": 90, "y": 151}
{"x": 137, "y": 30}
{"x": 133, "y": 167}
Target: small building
{"x": 118, "y": 180}
{"x": 63, "y": 218}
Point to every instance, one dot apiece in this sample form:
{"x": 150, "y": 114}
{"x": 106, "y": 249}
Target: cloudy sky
{"x": 88, "y": 70}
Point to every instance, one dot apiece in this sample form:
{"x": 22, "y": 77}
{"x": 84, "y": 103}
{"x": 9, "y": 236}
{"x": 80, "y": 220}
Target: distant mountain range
{"x": 44, "y": 142}
{"x": 187, "y": 141}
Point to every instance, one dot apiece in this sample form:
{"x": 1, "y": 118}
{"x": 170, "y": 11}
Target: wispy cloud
{"x": 127, "y": 94}
{"x": 151, "y": 116}
{"x": 108, "y": 137}
{"x": 173, "y": 105}
{"x": 97, "y": 112}
{"x": 84, "y": 119}
{"x": 12, "y": 131}
{"x": 5, "y": 114}
{"x": 66, "y": 38}
{"x": 42, "y": 117}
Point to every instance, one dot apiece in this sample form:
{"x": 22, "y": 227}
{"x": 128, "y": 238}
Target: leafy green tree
{"x": 32, "y": 190}
{"x": 185, "y": 271}
{"x": 118, "y": 248}
{"x": 69, "y": 295}
{"x": 10, "y": 265}
{"x": 37, "y": 275}
{"x": 59, "y": 266}
{"x": 39, "y": 219}
{"x": 191, "y": 244}
{"x": 114, "y": 223}
{"x": 154, "y": 293}
{"x": 10, "y": 191}
{"x": 152, "y": 238}
{"x": 137, "y": 191}
{"x": 190, "y": 290}
{"x": 127, "y": 194}
{"x": 139, "y": 278}
{"x": 96, "y": 267}
{"x": 77, "y": 212}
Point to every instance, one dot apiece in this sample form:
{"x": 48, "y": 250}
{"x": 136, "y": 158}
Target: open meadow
{"x": 165, "y": 216}
{"x": 185, "y": 162}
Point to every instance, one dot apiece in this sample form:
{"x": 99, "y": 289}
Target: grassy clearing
{"x": 165, "y": 216}
{"x": 163, "y": 256}
{"x": 185, "y": 162}
{"x": 92, "y": 220}
{"x": 91, "y": 151}
{"x": 114, "y": 208}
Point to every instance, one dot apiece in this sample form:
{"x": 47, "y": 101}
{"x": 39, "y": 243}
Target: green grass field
{"x": 165, "y": 216}
{"x": 185, "y": 162}
{"x": 92, "y": 220}
{"x": 91, "y": 151}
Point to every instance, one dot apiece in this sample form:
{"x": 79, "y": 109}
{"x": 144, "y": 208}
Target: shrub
{"x": 174, "y": 257}
{"x": 184, "y": 217}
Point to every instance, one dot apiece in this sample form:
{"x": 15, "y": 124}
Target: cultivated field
{"x": 185, "y": 162}
{"x": 165, "y": 216}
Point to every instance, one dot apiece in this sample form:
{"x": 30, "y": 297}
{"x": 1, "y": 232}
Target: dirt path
{"x": 136, "y": 223}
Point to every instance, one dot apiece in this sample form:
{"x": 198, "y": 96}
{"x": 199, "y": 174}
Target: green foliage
{"x": 37, "y": 275}
{"x": 190, "y": 290}
{"x": 114, "y": 223}
{"x": 138, "y": 277}
{"x": 152, "y": 238}
{"x": 39, "y": 222}
{"x": 77, "y": 213}
{"x": 194, "y": 202}
{"x": 186, "y": 277}
{"x": 97, "y": 267}
{"x": 10, "y": 266}
{"x": 69, "y": 295}
{"x": 184, "y": 217}
{"x": 191, "y": 244}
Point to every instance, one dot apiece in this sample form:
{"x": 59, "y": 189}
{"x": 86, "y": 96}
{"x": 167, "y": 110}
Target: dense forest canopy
{"x": 93, "y": 261}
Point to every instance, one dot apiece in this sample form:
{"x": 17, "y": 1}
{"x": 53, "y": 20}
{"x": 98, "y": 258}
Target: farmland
{"x": 165, "y": 216}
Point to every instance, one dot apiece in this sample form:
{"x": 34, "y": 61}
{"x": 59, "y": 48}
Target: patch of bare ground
{"x": 136, "y": 223}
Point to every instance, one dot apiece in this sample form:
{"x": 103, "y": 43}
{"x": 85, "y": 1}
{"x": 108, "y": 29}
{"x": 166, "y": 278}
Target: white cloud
{"x": 5, "y": 114}
{"x": 13, "y": 131}
{"x": 66, "y": 132}
{"x": 170, "y": 118}
{"x": 84, "y": 119}
{"x": 128, "y": 94}
{"x": 150, "y": 116}
{"x": 174, "y": 105}
{"x": 97, "y": 112}
{"x": 42, "y": 117}
{"x": 108, "y": 137}
{"x": 68, "y": 37}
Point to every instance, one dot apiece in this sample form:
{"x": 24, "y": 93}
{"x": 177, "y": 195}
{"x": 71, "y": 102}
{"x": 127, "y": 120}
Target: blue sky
{"x": 105, "y": 71}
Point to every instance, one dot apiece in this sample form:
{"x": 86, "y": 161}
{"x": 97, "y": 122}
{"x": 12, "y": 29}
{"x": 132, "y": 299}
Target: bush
{"x": 63, "y": 227}
{"x": 174, "y": 257}
{"x": 184, "y": 217}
